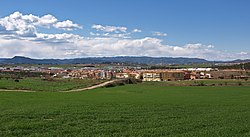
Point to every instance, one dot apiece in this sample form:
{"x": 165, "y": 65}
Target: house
{"x": 135, "y": 75}
{"x": 172, "y": 75}
{"x": 151, "y": 76}
{"x": 191, "y": 76}
{"x": 205, "y": 75}
{"x": 2, "y": 68}
{"x": 228, "y": 74}
{"x": 122, "y": 75}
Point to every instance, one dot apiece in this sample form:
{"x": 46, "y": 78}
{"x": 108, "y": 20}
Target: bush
{"x": 200, "y": 83}
{"x": 16, "y": 80}
{"x": 114, "y": 84}
{"x": 109, "y": 85}
{"x": 120, "y": 84}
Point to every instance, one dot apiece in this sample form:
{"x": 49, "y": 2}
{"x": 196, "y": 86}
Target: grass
{"x": 130, "y": 110}
{"x": 206, "y": 82}
{"x": 37, "y": 84}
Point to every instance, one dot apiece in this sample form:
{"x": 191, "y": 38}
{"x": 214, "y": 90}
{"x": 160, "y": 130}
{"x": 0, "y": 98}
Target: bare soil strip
{"x": 92, "y": 87}
{"x": 16, "y": 90}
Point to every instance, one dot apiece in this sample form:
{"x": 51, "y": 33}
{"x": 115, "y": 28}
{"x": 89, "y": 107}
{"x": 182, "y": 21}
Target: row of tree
{"x": 245, "y": 66}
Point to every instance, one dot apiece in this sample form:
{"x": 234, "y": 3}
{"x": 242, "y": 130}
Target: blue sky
{"x": 221, "y": 24}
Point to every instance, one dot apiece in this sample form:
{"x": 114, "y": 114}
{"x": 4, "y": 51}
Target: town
{"x": 123, "y": 72}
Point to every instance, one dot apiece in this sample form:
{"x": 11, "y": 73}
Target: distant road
{"x": 93, "y": 87}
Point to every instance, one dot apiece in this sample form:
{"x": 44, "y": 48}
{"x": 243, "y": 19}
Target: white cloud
{"x": 21, "y": 26}
{"x": 194, "y": 46}
{"x": 67, "y": 25}
{"x": 32, "y": 49}
{"x": 114, "y": 35}
{"x": 243, "y": 53}
{"x": 46, "y": 20}
{"x": 159, "y": 34}
{"x": 73, "y": 46}
{"x": 17, "y": 24}
{"x": 112, "y": 31}
{"x": 19, "y": 36}
{"x": 94, "y": 34}
{"x": 136, "y": 30}
{"x": 210, "y": 46}
{"x": 198, "y": 46}
{"x": 58, "y": 38}
{"x": 109, "y": 28}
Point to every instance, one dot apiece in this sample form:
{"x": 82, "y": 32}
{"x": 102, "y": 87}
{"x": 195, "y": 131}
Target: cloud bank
{"x": 21, "y": 35}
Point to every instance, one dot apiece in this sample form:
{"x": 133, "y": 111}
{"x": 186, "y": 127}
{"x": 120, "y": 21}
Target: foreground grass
{"x": 131, "y": 110}
{"x": 37, "y": 84}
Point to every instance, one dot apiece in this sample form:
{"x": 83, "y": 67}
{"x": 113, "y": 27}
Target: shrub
{"x": 16, "y": 80}
{"x": 200, "y": 83}
{"x": 109, "y": 85}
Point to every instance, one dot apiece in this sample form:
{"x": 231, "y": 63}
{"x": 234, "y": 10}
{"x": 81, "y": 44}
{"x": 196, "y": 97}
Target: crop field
{"x": 130, "y": 110}
{"x": 37, "y": 84}
{"x": 203, "y": 82}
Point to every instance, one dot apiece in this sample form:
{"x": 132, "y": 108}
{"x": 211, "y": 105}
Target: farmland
{"x": 38, "y": 84}
{"x": 203, "y": 82}
{"x": 145, "y": 109}
{"x": 54, "y": 85}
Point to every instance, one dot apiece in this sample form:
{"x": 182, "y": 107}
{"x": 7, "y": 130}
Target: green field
{"x": 37, "y": 84}
{"x": 203, "y": 82}
{"x": 130, "y": 110}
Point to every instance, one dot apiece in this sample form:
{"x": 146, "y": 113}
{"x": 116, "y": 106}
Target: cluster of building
{"x": 193, "y": 74}
{"x": 157, "y": 75}
{"x": 142, "y": 74}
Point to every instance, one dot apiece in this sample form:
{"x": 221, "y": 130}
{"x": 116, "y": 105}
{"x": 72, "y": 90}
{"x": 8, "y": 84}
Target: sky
{"x": 209, "y": 29}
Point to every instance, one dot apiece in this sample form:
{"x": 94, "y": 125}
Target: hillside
{"x": 94, "y": 60}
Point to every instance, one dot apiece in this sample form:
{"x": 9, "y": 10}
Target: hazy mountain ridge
{"x": 122, "y": 59}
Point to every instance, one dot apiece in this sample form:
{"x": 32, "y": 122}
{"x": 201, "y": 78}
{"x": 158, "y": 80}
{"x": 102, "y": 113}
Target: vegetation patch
{"x": 205, "y": 82}
{"x": 122, "y": 82}
{"x": 38, "y": 84}
{"x": 131, "y": 110}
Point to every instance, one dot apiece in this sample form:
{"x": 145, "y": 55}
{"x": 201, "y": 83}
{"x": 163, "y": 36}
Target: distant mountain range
{"x": 99, "y": 60}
